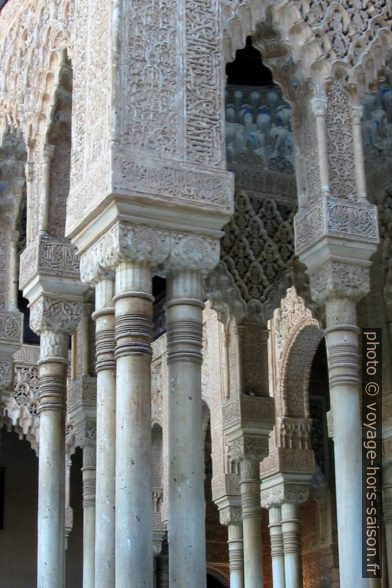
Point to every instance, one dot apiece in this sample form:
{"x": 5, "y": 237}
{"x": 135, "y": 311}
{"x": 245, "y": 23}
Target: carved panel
{"x": 49, "y": 256}
{"x": 340, "y": 144}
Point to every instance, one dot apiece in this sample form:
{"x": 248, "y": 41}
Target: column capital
{"x": 319, "y": 105}
{"x": 279, "y": 489}
{"x": 251, "y": 448}
{"x": 162, "y": 248}
{"x": 83, "y": 434}
{"x": 54, "y": 314}
{"x": 336, "y": 279}
{"x": 356, "y": 113}
{"x": 230, "y": 515}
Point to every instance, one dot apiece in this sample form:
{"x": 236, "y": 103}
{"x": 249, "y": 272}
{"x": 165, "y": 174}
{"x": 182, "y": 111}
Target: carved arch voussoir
{"x": 293, "y": 340}
{"x": 296, "y": 369}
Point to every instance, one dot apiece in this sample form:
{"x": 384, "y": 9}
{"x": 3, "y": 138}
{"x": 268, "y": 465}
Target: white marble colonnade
{"x": 131, "y": 434}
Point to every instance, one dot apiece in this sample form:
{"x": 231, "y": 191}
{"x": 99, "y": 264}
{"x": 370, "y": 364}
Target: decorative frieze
{"x": 5, "y": 372}
{"x": 11, "y": 330}
{"x": 51, "y": 256}
{"x": 81, "y": 394}
{"x": 336, "y": 217}
{"x": 248, "y": 410}
{"x": 225, "y": 485}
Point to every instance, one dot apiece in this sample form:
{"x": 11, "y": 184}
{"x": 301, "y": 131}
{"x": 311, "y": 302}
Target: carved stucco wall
{"x": 314, "y": 38}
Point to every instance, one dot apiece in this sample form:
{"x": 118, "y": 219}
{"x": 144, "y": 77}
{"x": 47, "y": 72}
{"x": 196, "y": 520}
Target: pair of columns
{"x": 285, "y": 545}
{"x": 123, "y": 550}
{"x": 245, "y": 539}
{"x": 124, "y": 539}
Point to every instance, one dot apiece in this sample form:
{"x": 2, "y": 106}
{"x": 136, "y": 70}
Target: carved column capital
{"x": 189, "y": 251}
{"x": 356, "y": 114}
{"x": 57, "y": 315}
{"x": 248, "y": 448}
{"x": 319, "y": 105}
{"x": 277, "y": 490}
{"x": 230, "y": 515}
{"x": 159, "y": 247}
{"x": 335, "y": 279}
{"x": 84, "y": 432}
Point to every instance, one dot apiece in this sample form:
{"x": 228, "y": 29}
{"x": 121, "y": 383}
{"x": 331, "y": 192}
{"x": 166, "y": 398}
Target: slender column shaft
{"x": 106, "y": 411}
{"x": 319, "y": 108}
{"x": 51, "y": 465}
{"x": 43, "y": 219}
{"x": 343, "y": 366}
{"x": 187, "y": 555}
{"x": 251, "y": 523}
{"x": 84, "y": 339}
{"x": 236, "y": 555}
{"x": 68, "y": 507}
{"x": 387, "y": 504}
{"x": 358, "y": 151}
{"x": 13, "y": 271}
{"x": 275, "y": 527}
{"x": 291, "y": 545}
{"x": 88, "y": 473}
{"x": 134, "y": 537}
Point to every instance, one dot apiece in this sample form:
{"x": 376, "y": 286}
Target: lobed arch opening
{"x": 296, "y": 369}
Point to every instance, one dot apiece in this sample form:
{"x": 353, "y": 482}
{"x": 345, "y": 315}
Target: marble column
{"x": 106, "y": 423}
{"x": 291, "y": 545}
{"x": 43, "y": 210}
{"x": 344, "y": 384}
{"x": 387, "y": 507}
{"x": 187, "y": 548}
{"x": 251, "y": 522}
{"x": 88, "y": 474}
{"x": 51, "y": 463}
{"x": 68, "y": 507}
{"x": 236, "y": 555}
{"x": 276, "y": 539}
{"x": 133, "y": 332}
